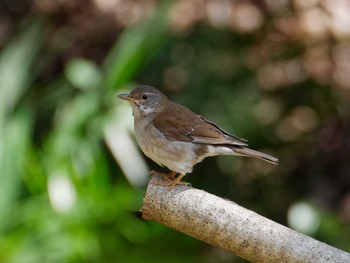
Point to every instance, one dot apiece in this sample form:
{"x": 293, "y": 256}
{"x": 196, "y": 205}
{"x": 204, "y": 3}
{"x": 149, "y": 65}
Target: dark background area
{"x": 273, "y": 72}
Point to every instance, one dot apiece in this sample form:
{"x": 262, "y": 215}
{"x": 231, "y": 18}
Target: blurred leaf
{"x": 136, "y": 46}
{"x": 16, "y": 62}
{"x": 76, "y": 113}
{"x": 13, "y": 144}
{"x": 83, "y": 73}
{"x": 34, "y": 174}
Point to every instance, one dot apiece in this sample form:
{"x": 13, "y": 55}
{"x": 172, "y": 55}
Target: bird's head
{"x": 145, "y": 100}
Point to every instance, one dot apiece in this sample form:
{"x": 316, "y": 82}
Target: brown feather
{"x": 184, "y": 125}
{"x": 252, "y": 153}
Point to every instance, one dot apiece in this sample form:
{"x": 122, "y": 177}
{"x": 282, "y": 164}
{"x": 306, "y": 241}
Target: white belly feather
{"x": 163, "y": 151}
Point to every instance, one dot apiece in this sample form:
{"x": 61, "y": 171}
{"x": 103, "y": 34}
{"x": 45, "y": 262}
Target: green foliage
{"x": 63, "y": 197}
{"x": 136, "y": 47}
{"x": 100, "y": 222}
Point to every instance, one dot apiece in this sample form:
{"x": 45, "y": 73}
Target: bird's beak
{"x": 126, "y": 97}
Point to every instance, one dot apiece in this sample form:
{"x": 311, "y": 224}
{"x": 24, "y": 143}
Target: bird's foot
{"x": 171, "y": 179}
{"x": 169, "y": 176}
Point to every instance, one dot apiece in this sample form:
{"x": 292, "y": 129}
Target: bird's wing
{"x": 185, "y": 125}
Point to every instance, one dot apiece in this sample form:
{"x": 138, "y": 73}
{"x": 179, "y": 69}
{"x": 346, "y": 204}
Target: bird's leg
{"x": 171, "y": 179}
{"x": 169, "y": 176}
{"x": 177, "y": 181}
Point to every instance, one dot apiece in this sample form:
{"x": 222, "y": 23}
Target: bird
{"x": 175, "y": 137}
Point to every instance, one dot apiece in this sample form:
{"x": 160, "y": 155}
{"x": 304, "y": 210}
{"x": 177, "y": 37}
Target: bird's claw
{"x": 171, "y": 179}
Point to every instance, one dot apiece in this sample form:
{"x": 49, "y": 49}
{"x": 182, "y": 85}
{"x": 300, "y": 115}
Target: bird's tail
{"x": 252, "y": 153}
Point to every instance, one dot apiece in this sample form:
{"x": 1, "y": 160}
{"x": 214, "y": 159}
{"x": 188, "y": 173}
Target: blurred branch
{"x": 229, "y": 226}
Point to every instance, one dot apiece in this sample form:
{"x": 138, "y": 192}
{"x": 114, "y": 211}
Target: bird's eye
{"x": 144, "y": 96}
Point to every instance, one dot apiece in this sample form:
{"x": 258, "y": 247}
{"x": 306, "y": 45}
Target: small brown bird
{"x": 175, "y": 137}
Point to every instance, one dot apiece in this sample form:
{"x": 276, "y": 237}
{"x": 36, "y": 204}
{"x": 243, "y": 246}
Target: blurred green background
{"x": 274, "y": 72}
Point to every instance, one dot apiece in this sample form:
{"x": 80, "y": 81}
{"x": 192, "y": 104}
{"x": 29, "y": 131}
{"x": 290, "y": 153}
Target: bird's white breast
{"x": 177, "y": 156}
